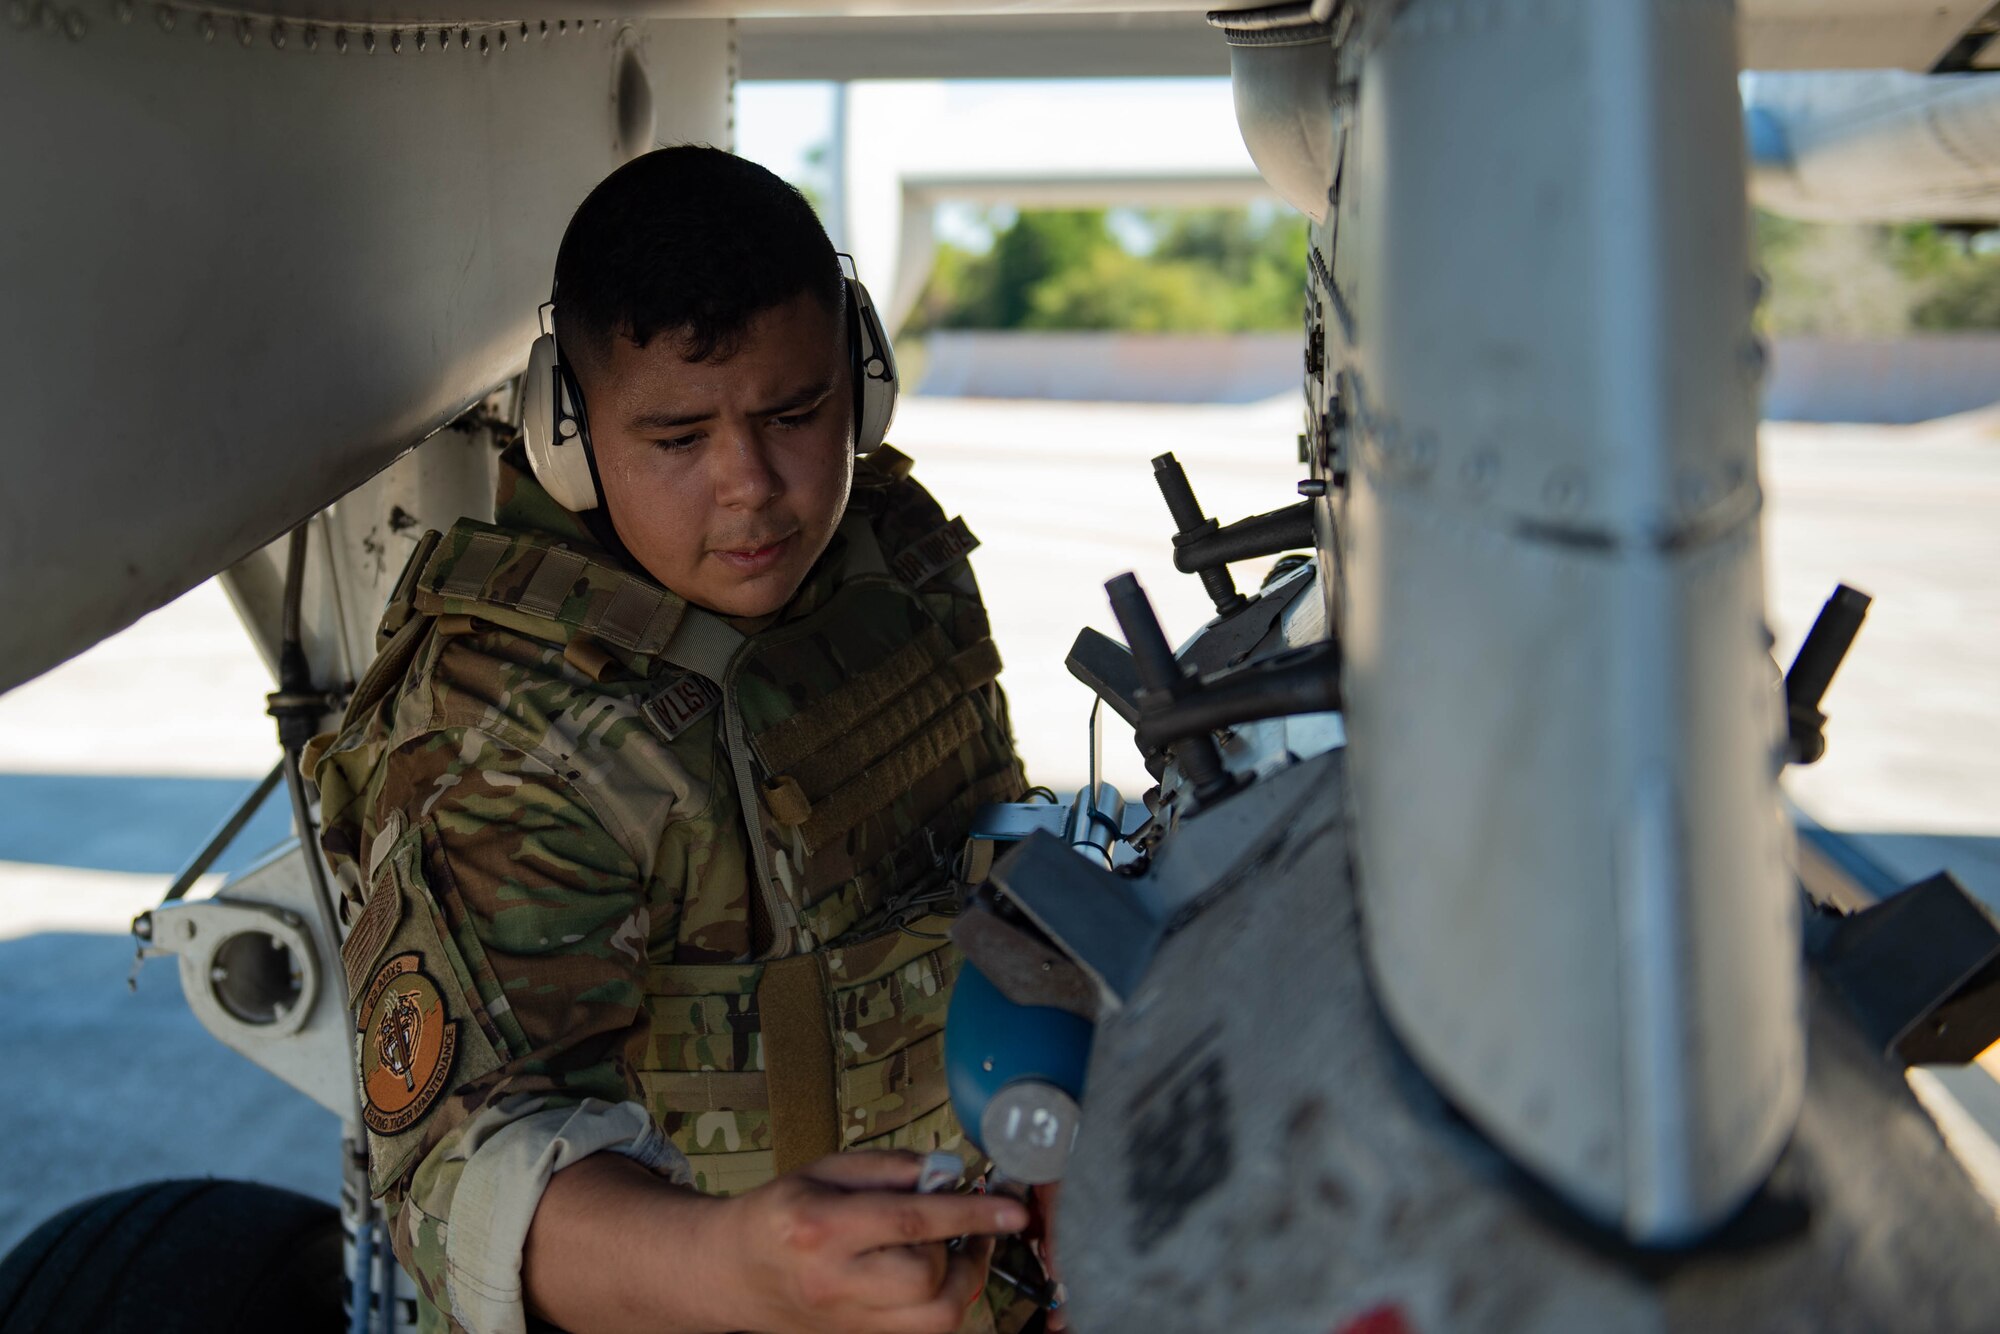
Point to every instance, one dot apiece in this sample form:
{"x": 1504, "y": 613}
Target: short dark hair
{"x": 688, "y": 241}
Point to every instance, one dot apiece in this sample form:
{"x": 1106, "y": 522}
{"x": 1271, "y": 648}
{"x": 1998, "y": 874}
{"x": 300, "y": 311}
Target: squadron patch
{"x": 408, "y": 1047}
{"x": 681, "y": 705}
{"x": 919, "y": 562}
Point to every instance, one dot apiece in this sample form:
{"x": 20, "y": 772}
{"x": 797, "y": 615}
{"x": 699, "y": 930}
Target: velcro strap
{"x": 799, "y": 1068}
{"x": 588, "y": 656}
{"x": 787, "y": 801}
{"x": 554, "y": 580}
{"x": 976, "y": 666}
{"x": 637, "y": 616}
{"x": 468, "y": 574}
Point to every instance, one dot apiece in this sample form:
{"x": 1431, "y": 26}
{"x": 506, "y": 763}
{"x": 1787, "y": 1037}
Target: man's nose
{"x": 745, "y": 477}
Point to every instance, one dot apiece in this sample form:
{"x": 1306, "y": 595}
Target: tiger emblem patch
{"x": 408, "y": 1047}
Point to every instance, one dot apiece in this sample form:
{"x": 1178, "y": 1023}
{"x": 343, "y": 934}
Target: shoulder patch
{"x": 921, "y": 561}
{"x": 408, "y": 1047}
{"x": 686, "y": 701}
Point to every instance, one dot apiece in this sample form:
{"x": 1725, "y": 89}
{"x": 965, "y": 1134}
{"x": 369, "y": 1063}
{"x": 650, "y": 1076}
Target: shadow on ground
{"x": 106, "y": 1087}
{"x": 129, "y": 822}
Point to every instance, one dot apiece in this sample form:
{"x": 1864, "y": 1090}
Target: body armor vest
{"x": 861, "y": 741}
{"x": 858, "y": 740}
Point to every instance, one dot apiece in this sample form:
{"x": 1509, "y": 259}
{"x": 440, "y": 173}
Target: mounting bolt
{"x": 1312, "y": 487}
{"x": 278, "y": 36}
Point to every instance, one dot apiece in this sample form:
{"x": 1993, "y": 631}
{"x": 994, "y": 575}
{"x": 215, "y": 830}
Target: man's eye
{"x": 796, "y": 419}
{"x": 676, "y": 444}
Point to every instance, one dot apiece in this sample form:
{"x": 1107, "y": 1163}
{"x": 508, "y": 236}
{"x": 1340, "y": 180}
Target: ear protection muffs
{"x": 554, "y": 428}
{"x": 875, "y": 382}
{"x": 557, "y": 432}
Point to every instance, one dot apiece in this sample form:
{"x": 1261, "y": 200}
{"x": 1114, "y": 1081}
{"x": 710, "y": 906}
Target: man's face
{"x": 726, "y": 478}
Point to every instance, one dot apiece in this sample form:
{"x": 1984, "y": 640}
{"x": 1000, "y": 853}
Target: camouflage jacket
{"x": 565, "y": 936}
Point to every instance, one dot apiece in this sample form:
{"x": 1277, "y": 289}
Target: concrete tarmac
{"x": 108, "y": 1086}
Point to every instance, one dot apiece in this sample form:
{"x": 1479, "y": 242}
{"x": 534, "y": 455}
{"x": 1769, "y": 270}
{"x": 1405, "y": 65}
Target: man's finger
{"x": 867, "y": 1169}
{"x": 946, "y": 1311}
{"x": 900, "y": 1275}
{"x": 874, "y": 1219}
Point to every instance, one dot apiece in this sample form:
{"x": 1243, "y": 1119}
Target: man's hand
{"x": 842, "y": 1247}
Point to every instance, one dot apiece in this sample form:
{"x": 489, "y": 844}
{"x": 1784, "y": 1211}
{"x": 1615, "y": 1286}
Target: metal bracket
{"x": 1920, "y": 971}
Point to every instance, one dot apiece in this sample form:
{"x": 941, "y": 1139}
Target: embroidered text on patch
{"x": 408, "y": 1047}
{"x": 681, "y": 705}
{"x": 919, "y": 562}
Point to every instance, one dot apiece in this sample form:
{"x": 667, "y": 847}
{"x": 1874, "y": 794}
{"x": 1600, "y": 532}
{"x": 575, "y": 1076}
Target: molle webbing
{"x": 727, "y": 1077}
{"x": 479, "y": 570}
{"x": 881, "y": 782}
{"x": 871, "y": 740}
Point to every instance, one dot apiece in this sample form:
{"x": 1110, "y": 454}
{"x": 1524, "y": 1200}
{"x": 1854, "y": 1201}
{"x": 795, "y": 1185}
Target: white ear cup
{"x": 552, "y": 427}
{"x": 874, "y": 370}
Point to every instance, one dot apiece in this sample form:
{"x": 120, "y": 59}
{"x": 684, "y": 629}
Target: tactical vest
{"x": 862, "y": 741}
{"x": 859, "y": 740}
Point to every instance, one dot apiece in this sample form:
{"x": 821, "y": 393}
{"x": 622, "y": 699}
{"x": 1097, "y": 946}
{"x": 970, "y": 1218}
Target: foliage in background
{"x": 1856, "y": 281}
{"x": 1204, "y": 270}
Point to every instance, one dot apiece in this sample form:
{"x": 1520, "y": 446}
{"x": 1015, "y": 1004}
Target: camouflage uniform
{"x": 621, "y": 877}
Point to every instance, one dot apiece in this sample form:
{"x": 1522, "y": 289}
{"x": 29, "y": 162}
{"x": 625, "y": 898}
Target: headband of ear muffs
{"x": 557, "y": 433}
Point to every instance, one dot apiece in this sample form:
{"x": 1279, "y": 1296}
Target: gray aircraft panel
{"x": 1775, "y": 34}
{"x": 243, "y": 276}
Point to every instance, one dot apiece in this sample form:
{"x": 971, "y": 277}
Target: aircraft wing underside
{"x": 253, "y": 257}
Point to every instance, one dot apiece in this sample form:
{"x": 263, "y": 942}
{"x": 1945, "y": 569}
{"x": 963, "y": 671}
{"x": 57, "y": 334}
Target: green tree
{"x": 1858, "y": 280}
{"x": 1210, "y": 270}
{"x": 1037, "y": 249}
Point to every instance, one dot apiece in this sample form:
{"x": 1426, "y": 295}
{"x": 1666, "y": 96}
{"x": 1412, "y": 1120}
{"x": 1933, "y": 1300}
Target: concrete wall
{"x": 1113, "y": 367}
{"x": 1889, "y": 380}
{"x": 1882, "y": 380}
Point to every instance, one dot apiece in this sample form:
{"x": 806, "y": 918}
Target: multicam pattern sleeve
{"x": 533, "y": 924}
{"x": 511, "y": 902}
